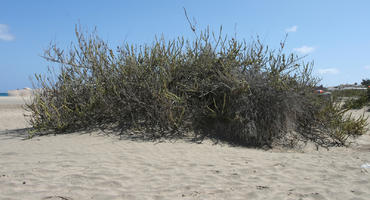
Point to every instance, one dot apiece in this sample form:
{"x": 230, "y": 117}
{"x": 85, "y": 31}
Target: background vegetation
{"x": 211, "y": 86}
{"x": 354, "y": 98}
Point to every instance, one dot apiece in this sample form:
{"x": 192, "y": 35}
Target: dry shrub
{"x": 213, "y": 86}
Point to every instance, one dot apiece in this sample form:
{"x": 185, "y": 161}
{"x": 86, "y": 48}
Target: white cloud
{"x": 304, "y": 49}
{"x": 367, "y": 67}
{"x": 5, "y": 34}
{"x": 328, "y": 71}
{"x": 291, "y": 29}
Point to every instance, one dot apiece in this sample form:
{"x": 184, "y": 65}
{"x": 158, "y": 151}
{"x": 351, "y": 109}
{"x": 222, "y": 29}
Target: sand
{"x": 20, "y": 92}
{"x": 96, "y": 166}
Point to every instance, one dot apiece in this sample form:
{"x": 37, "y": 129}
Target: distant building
{"x": 347, "y": 87}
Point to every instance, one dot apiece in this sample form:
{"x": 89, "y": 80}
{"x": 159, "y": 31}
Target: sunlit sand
{"x": 96, "y": 166}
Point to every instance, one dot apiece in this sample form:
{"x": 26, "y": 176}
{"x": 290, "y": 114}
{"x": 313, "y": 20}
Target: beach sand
{"x": 95, "y": 166}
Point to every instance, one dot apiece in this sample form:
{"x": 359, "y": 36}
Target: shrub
{"x": 357, "y": 103}
{"x": 334, "y": 125}
{"x": 212, "y": 86}
{"x": 365, "y": 82}
{"x": 357, "y": 99}
{"x": 350, "y": 93}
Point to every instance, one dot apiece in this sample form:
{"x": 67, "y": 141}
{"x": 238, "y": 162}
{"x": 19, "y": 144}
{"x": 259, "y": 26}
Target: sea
{"x": 3, "y": 94}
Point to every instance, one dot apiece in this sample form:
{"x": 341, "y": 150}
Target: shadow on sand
{"x": 14, "y": 134}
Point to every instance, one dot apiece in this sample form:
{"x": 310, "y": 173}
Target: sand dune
{"x": 21, "y": 92}
{"x": 96, "y": 166}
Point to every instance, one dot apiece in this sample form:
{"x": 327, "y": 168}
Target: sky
{"x": 334, "y": 34}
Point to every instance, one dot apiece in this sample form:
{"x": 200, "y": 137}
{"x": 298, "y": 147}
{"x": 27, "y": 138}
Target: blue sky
{"x": 335, "y": 34}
